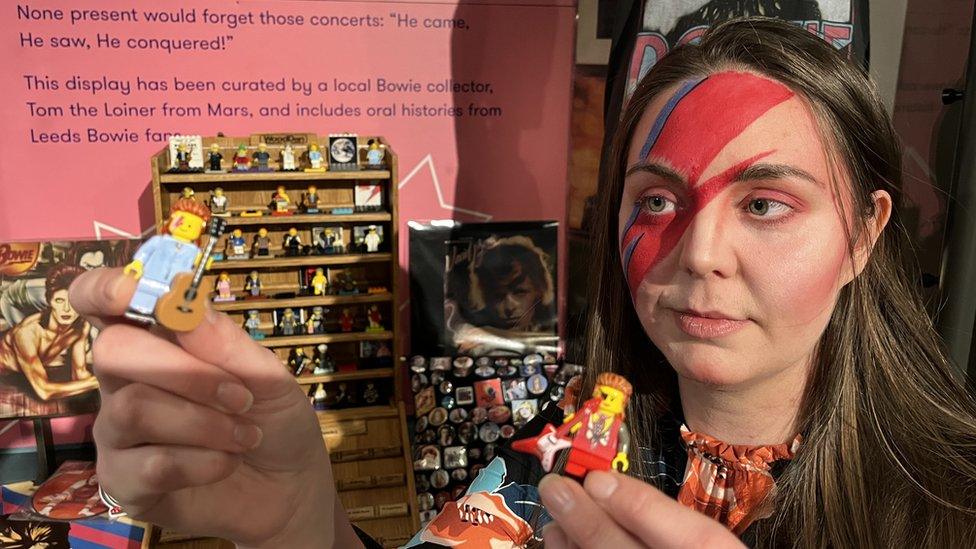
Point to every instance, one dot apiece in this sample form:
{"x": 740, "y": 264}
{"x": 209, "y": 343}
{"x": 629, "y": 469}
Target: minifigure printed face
{"x": 215, "y": 147}
{"x": 238, "y": 233}
{"x": 293, "y": 231}
{"x": 262, "y": 232}
{"x": 289, "y": 312}
{"x": 224, "y": 276}
{"x": 731, "y": 237}
{"x": 314, "y": 146}
{"x": 185, "y": 226}
{"x": 219, "y": 192}
{"x": 612, "y": 401}
{"x": 253, "y": 275}
{"x": 61, "y": 310}
{"x": 318, "y": 272}
{"x": 281, "y": 189}
{"x": 262, "y": 147}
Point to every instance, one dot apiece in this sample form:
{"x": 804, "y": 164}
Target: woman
{"x": 748, "y": 288}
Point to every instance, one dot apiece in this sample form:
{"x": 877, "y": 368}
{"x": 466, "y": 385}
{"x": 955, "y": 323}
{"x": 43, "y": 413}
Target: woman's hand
{"x": 205, "y": 431}
{"x": 614, "y": 510}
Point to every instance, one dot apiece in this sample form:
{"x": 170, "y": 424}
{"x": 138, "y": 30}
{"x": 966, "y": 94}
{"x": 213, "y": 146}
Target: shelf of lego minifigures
{"x": 305, "y": 219}
{"x": 271, "y": 176}
{"x": 282, "y": 261}
{"x": 307, "y": 301}
{"x": 372, "y": 373}
{"x": 344, "y": 337}
{"x": 371, "y": 482}
{"x": 362, "y": 412}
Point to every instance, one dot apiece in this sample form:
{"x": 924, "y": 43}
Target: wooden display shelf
{"x": 301, "y": 261}
{"x": 306, "y": 301}
{"x": 370, "y": 482}
{"x": 363, "y": 412}
{"x": 263, "y": 177}
{"x": 300, "y": 219}
{"x": 370, "y": 373}
{"x": 361, "y": 454}
{"x": 342, "y": 337}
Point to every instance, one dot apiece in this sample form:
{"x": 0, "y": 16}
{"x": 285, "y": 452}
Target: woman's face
{"x": 61, "y": 310}
{"x": 732, "y": 240}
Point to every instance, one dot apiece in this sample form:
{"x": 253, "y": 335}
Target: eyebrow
{"x": 756, "y": 172}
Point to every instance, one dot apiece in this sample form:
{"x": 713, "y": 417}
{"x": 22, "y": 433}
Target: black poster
{"x": 483, "y": 288}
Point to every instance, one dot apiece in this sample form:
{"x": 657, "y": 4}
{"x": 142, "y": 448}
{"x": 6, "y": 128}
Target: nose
{"x": 706, "y": 249}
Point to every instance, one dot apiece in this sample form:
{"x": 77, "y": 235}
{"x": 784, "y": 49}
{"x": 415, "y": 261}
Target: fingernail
{"x": 248, "y": 436}
{"x": 234, "y": 397}
{"x": 600, "y": 485}
{"x": 555, "y": 493}
{"x": 210, "y": 315}
{"x": 113, "y": 287}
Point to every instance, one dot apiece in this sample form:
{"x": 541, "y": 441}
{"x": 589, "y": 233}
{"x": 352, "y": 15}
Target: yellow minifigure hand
{"x": 575, "y": 428}
{"x": 569, "y": 417}
{"x": 134, "y": 269}
{"x": 620, "y": 463}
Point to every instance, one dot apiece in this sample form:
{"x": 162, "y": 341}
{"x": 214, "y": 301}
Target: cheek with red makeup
{"x": 692, "y": 128}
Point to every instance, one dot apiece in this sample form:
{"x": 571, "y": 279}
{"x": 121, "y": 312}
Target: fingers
{"x": 124, "y": 353}
{"x": 140, "y": 477}
{"x": 583, "y": 522}
{"x": 555, "y": 538}
{"x": 653, "y": 517}
{"x": 218, "y": 340}
{"x": 139, "y": 414}
{"x": 101, "y": 294}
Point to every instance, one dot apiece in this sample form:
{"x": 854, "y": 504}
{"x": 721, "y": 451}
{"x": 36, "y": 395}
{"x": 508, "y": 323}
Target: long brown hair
{"x": 889, "y": 433}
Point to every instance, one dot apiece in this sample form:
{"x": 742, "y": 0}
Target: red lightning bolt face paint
{"x": 690, "y": 131}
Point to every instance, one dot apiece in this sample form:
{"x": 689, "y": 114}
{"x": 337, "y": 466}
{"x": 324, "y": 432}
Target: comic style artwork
{"x": 45, "y": 345}
{"x": 493, "y": 514}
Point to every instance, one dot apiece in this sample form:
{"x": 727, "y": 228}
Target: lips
{"x": 707, "y": 324}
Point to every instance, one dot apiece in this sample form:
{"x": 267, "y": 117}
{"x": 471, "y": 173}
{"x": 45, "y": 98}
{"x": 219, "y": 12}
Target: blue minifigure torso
{"x": 163, "y": 257}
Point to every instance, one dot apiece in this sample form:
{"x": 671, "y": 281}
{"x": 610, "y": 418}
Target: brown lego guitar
{"x": 181, "y": 308}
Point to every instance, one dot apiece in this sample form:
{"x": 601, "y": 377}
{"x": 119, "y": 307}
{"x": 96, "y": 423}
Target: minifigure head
{"x": 215, "y": 147}
{"x": 288, "y": 146}
{"x": 238, "y": 233}
{"x": 319, "y": 271}
{"x": 372, "y": 229}
{"x": 219, "y": 191}
{"x": 181, "y": 147}
{"x": 317, "y": 311}
{"x": 253, "y": 313}
{"x": 262, "y": 232}
{"x": 293, "y": 232}
{"x": 224, "y": 276}
{"x": 322, "y": 348}
{"x": 345, "y": 311}
{"x": 186, "y": 220}
{"x": 312, "y": 189}
{"x": 613, "y": 391}
{"x": 242, "y": 148}
{"x": 187, "y": 192}
{"x": 253, "y": 275}
{"x": 299, "y": 351}
{"x": 373, "y": 145}
{"x": 281, "y": 190}
{"x": 313, "y": 147}
{"x": 289, "y": 312}
{"x": 262, "y": 146}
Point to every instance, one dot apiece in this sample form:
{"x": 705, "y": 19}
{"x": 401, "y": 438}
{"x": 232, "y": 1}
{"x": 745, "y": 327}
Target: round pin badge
{"x": 418, "y": 382}
{"x": 458, "y": 415}
{"x": 436, "y": 378}
{"x": 507, "y": 431}
{"x": 489, "y": 432}
{"x": 467, "y": 433}
{"x": 479, "y": 416}
{"x": 499, "y": 414}
{"x": 446, "y": 435}
{"x": 459, "y": 475}
{"x": 425, "y": 501}
{"x": 438, "y": 416}
{"x": 537, "y": 384}
{"x": 448, "y": 402}
{"x": 484, "y": 371}
{"x": 421, "y": 424}
{"x": 462, "y": 366}
{"x": 418, "y": 364}
{"x": 446, "y": 387}
{"x": 440, "y": 478}
{"x": 507, "y": 371}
